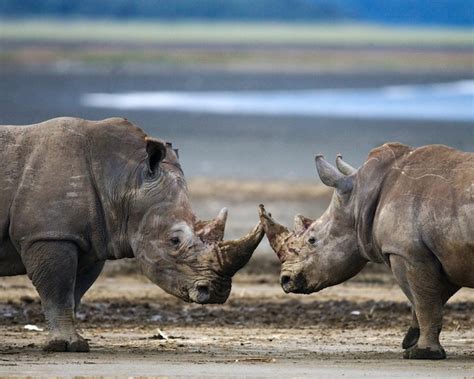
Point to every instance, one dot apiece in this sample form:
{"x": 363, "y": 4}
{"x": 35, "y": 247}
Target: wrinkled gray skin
{"x": 75, "y": 193}
{"x": 412, "y": 209}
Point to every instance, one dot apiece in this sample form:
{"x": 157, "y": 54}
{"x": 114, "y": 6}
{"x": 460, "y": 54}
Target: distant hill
{"x": 435, "y": 12}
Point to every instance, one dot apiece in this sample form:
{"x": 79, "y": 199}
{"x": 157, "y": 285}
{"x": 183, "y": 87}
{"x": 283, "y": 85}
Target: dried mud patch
{"x": 291, "y": 313}
{"x": 135, "y": 329}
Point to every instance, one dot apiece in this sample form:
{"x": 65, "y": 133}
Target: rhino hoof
{"x": 425, "y": 353}
{"x": 55, "y": 345}
{"x": 79, "y": 346}
{"x": 411, "y": 338}
{"x": 58, "y": 345}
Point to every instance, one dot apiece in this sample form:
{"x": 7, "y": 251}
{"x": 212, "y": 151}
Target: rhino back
{"x": 426, "y": 206}
{"x": 55, "y": 192}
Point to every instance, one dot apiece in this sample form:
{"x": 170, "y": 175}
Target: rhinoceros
{"x": 75, "y": 193}
{"x": 411, "y": 209}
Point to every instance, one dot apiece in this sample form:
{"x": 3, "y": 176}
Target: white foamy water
{"x": 443, "y": 101}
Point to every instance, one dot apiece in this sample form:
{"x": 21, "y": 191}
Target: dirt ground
{"x": 135, "y": 329}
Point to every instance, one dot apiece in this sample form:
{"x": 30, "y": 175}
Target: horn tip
{"x": 319, "y": 156}
{"x": 262, "y": 212}
{"x": 339, "y": 156}
{"x": 222, "y": 216}
{"x": 223, "y": 211}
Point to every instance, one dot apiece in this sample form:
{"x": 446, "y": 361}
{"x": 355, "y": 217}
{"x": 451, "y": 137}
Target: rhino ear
{"x": 332, "y": 177}
{"x": 344, "y": 167}
{"x": 156, "y": 152}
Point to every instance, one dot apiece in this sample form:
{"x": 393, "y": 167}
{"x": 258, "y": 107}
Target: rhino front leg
{"x": 52, "y": 267}
{"x": 423, "y": 283}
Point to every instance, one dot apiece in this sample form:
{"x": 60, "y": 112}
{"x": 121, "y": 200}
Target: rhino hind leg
{"x": 413, "y": 332}
{"x": 411, "y": 337}
{"x": 86, "y": 276}
{"x": 428, "y": 290}
{"x": 52, "y": 267}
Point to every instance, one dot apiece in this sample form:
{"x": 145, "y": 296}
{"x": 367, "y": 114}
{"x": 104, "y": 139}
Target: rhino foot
{"x": 411, "y": 338}
{"x": 424, "y": 353}
{"x": 61, "y": 345}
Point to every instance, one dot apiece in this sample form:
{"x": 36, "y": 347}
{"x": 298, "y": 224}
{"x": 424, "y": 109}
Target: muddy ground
{"x": 134, "y": 328}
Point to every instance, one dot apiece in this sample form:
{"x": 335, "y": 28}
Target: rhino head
{"x": 321, "y": 253}
{"x": 186, "y": 257}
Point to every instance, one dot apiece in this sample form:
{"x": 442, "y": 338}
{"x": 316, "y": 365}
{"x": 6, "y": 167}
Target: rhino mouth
{"x": 207, "y": 292}
{"x": 306, "y": 290}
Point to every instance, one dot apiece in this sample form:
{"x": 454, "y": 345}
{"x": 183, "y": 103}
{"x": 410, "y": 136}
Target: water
{"x": 439, "y": 101}
{"x": 253, "y": 137}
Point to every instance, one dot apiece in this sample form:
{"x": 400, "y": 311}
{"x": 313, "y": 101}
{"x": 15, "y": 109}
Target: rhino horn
{"x": 212, "y": 230}
{"x": 344, "y": 167}
{"x": 277, "y": 234}
{"x": 331, "y": 176}
{"x": 234, "y": 254}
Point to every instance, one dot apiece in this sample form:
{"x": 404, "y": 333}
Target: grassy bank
{"x": 238, "y": 33}
{"x": 259, "y": 47}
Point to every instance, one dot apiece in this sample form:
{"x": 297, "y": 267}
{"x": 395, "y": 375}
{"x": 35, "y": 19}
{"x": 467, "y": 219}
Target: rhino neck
{"x": 115, "y": 156}
{"x": 115, "y": 193}
{"x": 368, "y": 191}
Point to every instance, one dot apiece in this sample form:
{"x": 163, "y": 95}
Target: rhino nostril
{"x": 202, "y": 293}
{"x": 203, "y": 290}
{"x": 285, "y": 279}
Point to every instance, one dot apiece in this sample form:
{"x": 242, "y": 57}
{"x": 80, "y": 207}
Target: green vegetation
{"x": 349, "y": 46}
{"x": 239, "y": 33}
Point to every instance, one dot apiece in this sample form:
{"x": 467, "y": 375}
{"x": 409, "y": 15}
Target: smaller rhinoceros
{"x": 411, "y": 209}
{"x": 75, "y": 193}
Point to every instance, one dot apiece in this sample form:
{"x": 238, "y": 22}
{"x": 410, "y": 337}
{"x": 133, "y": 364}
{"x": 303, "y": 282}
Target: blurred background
{"x": 248, "y": 90}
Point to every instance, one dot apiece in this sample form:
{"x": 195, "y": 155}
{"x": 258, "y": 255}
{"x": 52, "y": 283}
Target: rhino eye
{"x": 312, "y": 240}
{"x": 175, "y": 241}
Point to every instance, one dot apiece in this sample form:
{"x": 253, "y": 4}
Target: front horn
{"x": 277, "y": 234}
{"x": 234, "y": 254}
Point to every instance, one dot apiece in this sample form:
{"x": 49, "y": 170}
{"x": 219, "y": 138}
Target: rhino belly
{"x": 10, "y": 260}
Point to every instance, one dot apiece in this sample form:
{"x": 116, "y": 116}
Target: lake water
{"x": 255, "y": 125}
{"x": 452, "y": 101}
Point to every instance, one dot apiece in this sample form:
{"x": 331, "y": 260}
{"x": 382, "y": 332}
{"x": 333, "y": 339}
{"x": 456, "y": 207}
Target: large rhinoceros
{"x": 75, "y": 193}
{"x": 412, "y": 209}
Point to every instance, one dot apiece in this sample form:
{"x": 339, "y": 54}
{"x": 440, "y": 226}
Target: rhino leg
{"x": 413, "y": 332}
{"x": 428, "y": 290}
{"x": 52, "y": 267}
{"x": 86, "y": 276}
